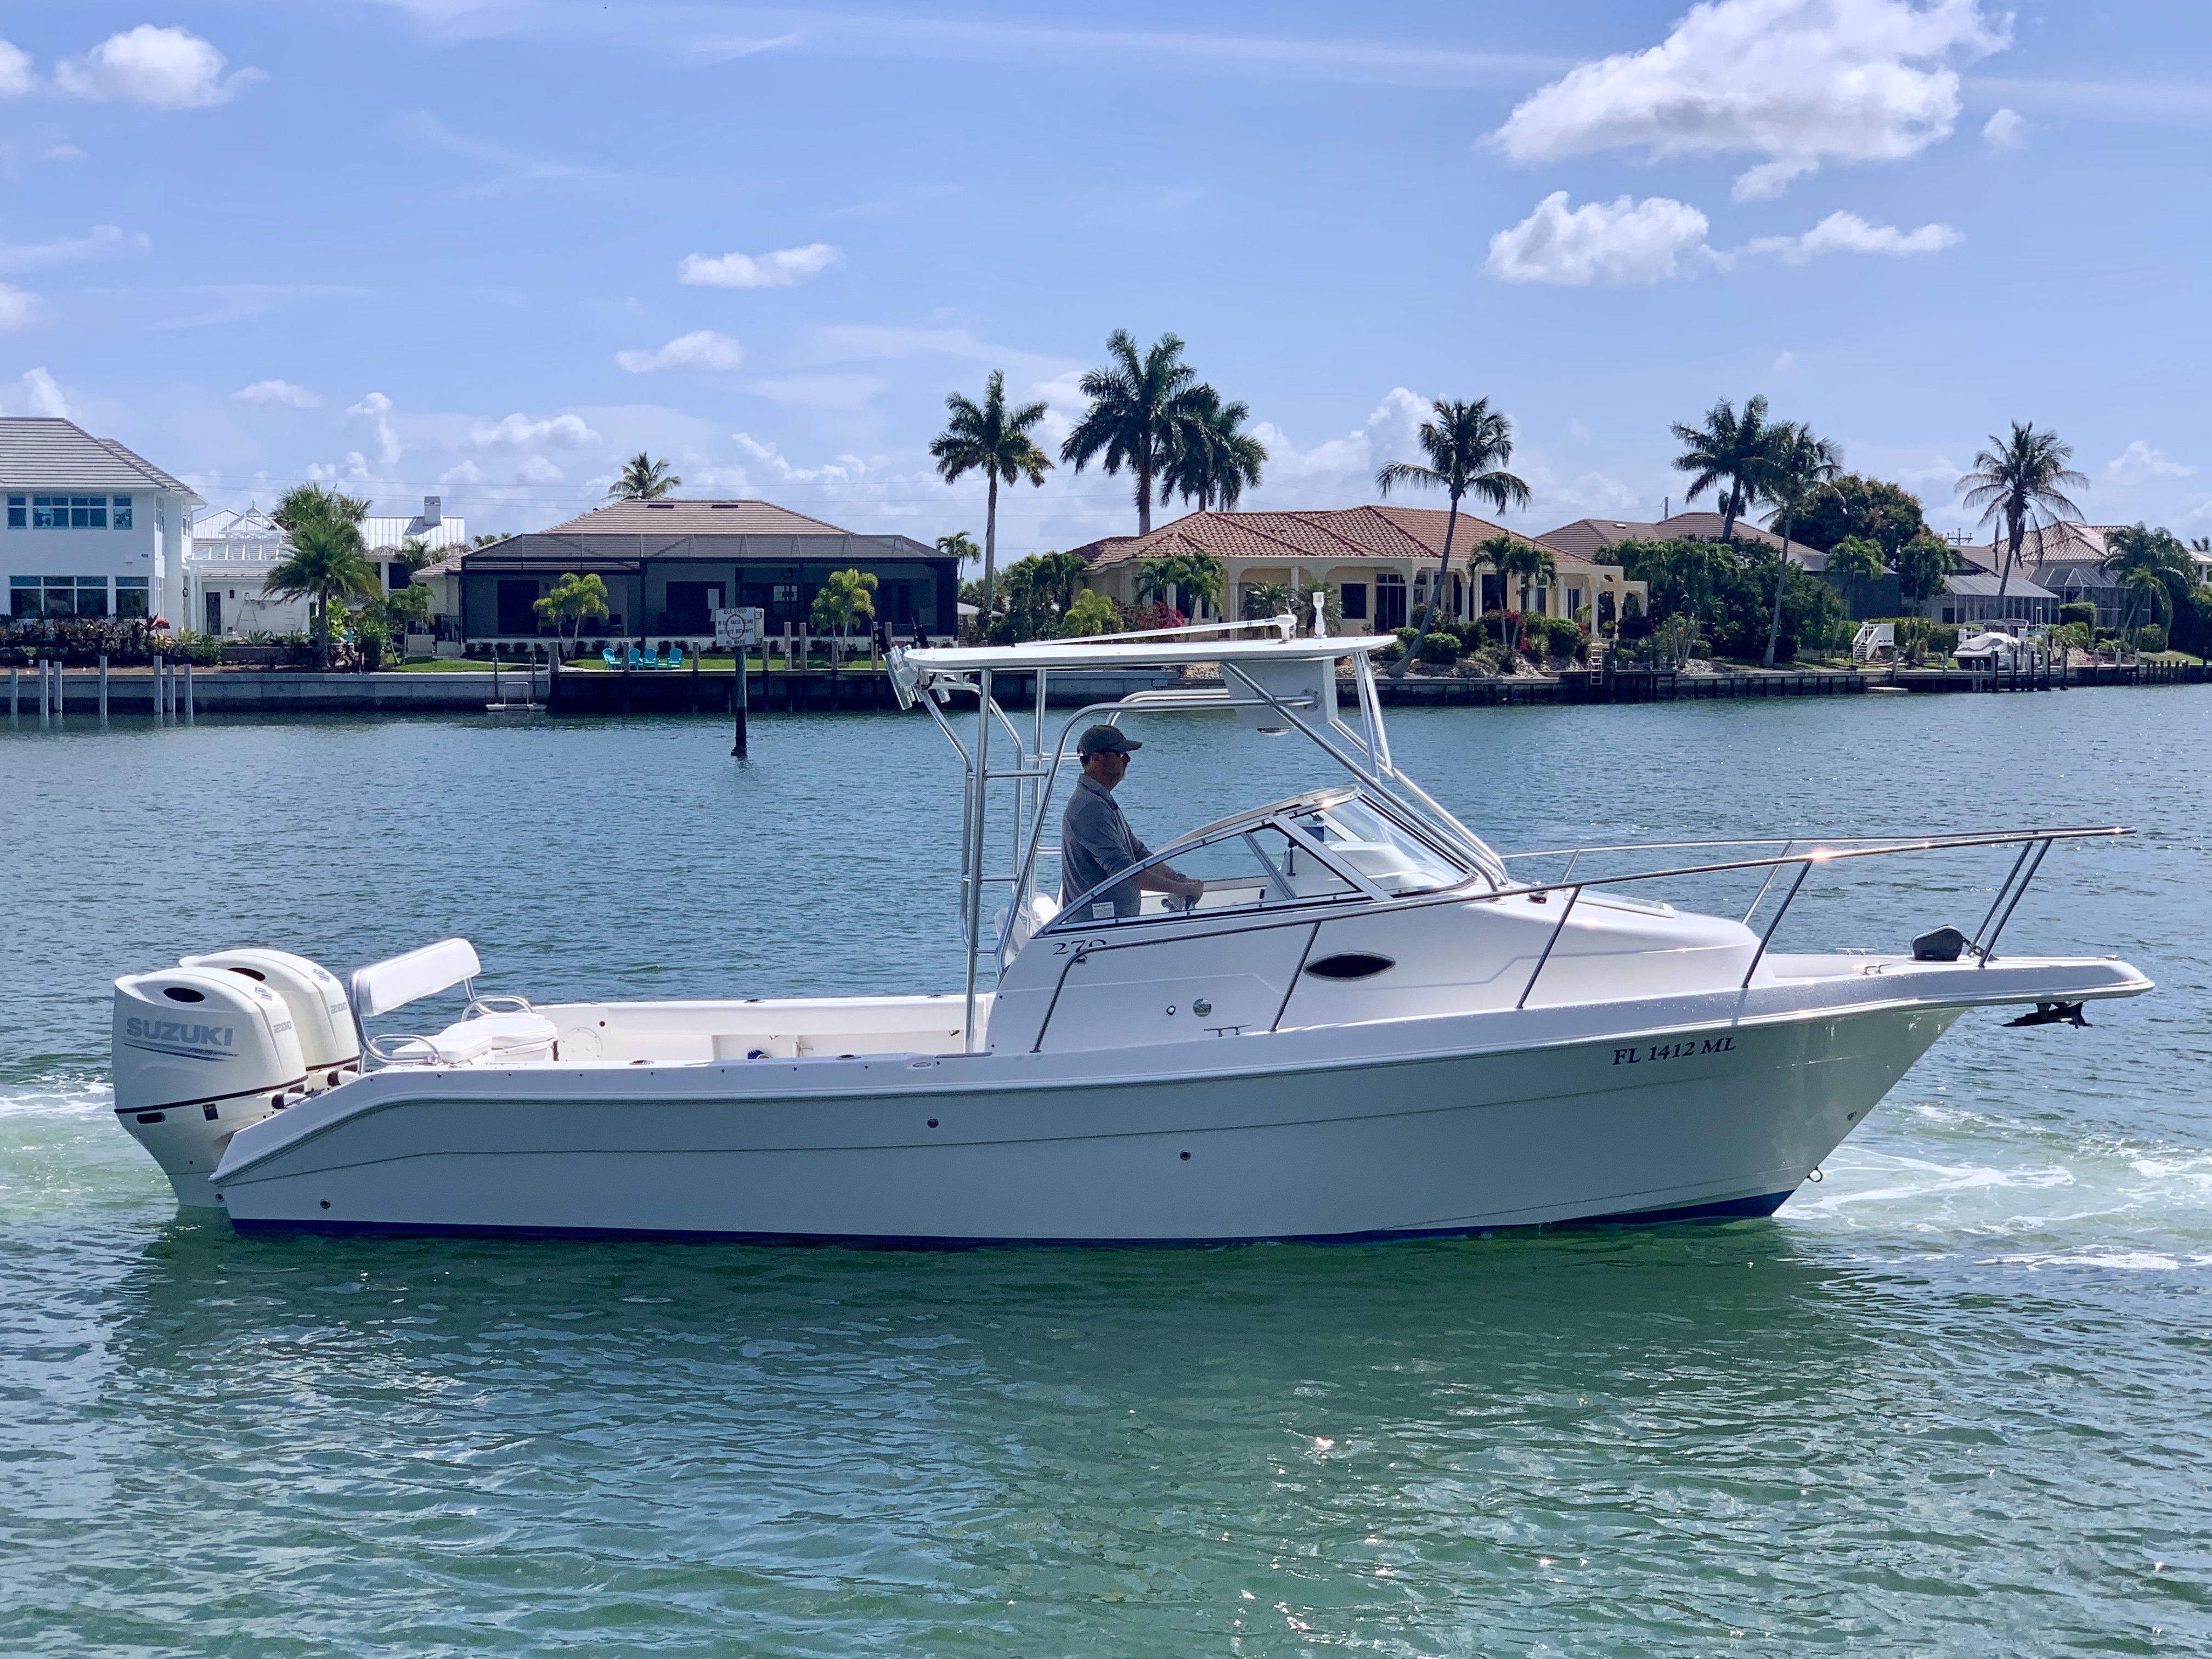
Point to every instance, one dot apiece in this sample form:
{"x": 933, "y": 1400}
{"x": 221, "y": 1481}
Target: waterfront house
{"x": 386, "y": 535}
{"x": 227, "y": 566}
{"x": 226, "y": 573}
{"x": 1971, "y": 600}
{"x": 669, "y": 565}
{"x": 1379, "y": 560}
{"x": 92, "y": 530}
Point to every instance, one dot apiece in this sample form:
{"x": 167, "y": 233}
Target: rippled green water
{"x": 1954, "y": 1399}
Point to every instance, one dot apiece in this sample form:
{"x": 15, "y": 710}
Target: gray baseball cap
{"x": 1106, "y": 740}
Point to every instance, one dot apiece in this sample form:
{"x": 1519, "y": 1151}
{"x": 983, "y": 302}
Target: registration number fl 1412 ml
{"x": 1638, "y": 1053}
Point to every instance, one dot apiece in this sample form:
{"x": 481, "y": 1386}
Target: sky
{"x": 487, "y": 250}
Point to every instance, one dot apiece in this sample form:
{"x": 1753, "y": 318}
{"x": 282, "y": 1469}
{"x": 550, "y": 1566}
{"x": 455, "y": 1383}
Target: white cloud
{"x": 538, "y": 470}
{"x": 468, "y": 472}
{"x": 17, "y": 307}
{"x": 842, "y": 469}
{"x": 376, "y": 407}
{"x": 65, "y": 153}
{"x": 1846, "y": 233}
{"x": 1620, "y": 241}
{"x": 164, "y": 68}
{"x": 101, "y": 239}
{"x": 1799, "y": 82}
{"x": 281, "y": 391}
{"x": 2005, "y": 130}
{"x": 520, "y": 431}
{"x": 16, "y": 79}
{"x": 44, "y": 395}
{"x": 1340, "y": 469}
{"x": 701, "y": 349}
{"x": 785, "y": 268}
{"x": 2139, "y": 462}
{"x": 1785, "y": 363}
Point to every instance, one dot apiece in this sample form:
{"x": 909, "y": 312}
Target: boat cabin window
{"x": 1257, "y": 866}
{"x": 1395, "y": 860}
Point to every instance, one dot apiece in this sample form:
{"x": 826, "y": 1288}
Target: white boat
{"x": 1370, "y": 1025}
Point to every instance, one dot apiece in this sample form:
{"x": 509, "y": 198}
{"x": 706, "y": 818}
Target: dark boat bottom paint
{"x": 1733, "y": 1209}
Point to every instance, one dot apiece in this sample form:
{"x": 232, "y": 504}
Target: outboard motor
{"x": 330, "y": 1042}
{"x": 197, "y": 1057}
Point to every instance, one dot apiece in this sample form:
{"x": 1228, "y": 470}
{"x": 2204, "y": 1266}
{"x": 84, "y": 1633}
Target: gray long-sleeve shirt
{"x": 1096, "y": 843}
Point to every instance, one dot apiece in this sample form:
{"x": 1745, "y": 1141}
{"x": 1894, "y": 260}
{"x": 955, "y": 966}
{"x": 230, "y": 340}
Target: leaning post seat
{"x": 505, "y": 1026}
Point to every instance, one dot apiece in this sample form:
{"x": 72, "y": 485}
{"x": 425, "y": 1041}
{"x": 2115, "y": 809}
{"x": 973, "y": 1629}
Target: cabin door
{"x": 1194, "y": 988}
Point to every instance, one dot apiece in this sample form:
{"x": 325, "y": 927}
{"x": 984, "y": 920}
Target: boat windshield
{"x": 1325, "y": 849}
{"x": 1393, "y": 859}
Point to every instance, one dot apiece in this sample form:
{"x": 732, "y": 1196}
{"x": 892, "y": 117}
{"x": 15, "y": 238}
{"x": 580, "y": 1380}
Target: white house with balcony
{"x": 226, "y": 573}
{"x": 232, "y": 552}
{"x": 92, "y": 530}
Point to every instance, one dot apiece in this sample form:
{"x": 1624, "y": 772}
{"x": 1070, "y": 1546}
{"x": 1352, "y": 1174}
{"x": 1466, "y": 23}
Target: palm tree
{"x": 1218, "y": 462}
{"x": 2017, "y": 477}
{"x": 2153, "y": 567}
{"x": 1093, "y": 612}
{"x": 1730, "y": 449}
{"x": 1174, "y": 577}
{"x": 328, "y": 563}
{"x": 1797, "y": 469}
{"x": 1534, "y": 565}
{"x": 844, "y": 598}
{"x": 1058, "y": 577}
{"x": 996, "y": 440}
{"x": 1142, "y": 415}
{"x": 642, "y": 479}
{"x": 1856, "y": 558}
{"x": 571, "y": 600}
{"x": 1485, "y": 556}
{"x": 1263, "y": 600}
{"x": 1467, "y": 446}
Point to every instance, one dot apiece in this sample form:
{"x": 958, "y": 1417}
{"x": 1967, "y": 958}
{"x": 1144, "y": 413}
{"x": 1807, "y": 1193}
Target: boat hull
{"x": 1274, "y": 1137}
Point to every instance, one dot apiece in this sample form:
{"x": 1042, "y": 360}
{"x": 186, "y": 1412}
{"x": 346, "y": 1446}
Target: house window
{"x": 19, "y": 511}
{"x": 1390, "y": 600}
{"x": 130, "y": 597}
{"x": 23, "y": 596}
{"x": 1353, "y": 598}
{"x": 122, "y": 506}
{"x": 92, "y": 596}
{"x": 71, "y": 512}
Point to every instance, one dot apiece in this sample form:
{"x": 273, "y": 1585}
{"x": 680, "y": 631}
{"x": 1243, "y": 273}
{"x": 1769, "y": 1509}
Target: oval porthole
{"x": 183, "y": 994}
{"x": 1349, "y": 965}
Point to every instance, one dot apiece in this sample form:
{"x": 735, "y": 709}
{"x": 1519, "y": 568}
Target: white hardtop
{"x": 1157, "y": 651}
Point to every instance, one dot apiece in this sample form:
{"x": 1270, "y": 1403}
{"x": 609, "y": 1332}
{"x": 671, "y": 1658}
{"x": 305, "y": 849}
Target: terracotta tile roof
{"x": 687, "y": 517}
{"x": 1588, "y": 538}
{"x": 1411, "y": 533}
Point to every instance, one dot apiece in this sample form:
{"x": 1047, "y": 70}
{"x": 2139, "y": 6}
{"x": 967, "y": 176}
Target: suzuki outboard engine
{"x": 199, "y": 1055}
{"x": 329, "y": 1043}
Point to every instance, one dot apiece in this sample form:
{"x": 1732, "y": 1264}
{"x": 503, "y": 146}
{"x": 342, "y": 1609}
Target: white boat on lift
{"x": 1368, "y": 1026}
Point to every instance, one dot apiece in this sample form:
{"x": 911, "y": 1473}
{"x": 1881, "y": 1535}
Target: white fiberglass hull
{"x": 1393, "y": 1129}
